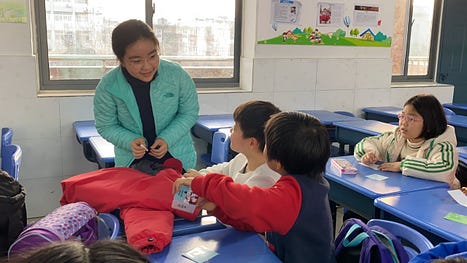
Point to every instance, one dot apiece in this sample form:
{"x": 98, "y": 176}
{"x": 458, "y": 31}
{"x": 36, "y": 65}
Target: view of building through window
{"x": 197, "y": 34}
{"x": 420, "y": 37}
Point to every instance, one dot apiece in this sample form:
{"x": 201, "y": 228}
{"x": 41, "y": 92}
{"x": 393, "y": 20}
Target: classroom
{"x": 41, "y": 108}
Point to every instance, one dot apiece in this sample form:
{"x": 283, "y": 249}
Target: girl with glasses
{"x": 423, "y": 145}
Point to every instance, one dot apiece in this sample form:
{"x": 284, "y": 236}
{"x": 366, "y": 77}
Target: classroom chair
{"x": 7, "y": 135}
{"x": 108, "y": 226}
{"x": 448, "y": 111}
{"x": 220, "y": 148}
{"x": 414, "y": 242}
{"x": 11, "y": 160}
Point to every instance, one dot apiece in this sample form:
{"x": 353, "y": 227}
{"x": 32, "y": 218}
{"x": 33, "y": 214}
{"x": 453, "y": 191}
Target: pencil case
{"x": 342, "y": 166}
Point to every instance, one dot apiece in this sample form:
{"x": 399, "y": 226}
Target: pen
{"x": 142, "y": 145}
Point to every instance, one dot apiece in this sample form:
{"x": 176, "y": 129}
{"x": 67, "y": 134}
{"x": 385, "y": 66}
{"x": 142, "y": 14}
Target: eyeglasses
{"x": 139, "y": 62}
{"x": 408, "y": 118}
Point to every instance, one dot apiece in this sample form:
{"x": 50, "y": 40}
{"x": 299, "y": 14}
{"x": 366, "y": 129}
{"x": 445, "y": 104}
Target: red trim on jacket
{"x": 252, "y": 209}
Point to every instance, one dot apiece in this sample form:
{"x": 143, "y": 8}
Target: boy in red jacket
{"x": 294, "y": 213}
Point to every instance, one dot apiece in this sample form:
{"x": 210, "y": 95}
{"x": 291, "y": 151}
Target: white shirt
{"x": 262, "y": 176}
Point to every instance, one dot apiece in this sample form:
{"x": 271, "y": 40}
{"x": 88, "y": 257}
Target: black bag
{"x": 461, "y": 173}
{"x": 13, "y": 217}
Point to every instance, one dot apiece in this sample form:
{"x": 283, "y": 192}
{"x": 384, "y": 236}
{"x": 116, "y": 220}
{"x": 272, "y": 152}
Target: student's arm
{"x": 376, "y": 144}
{"x": 439, "y": 165}
{"x": 259, "y": 209}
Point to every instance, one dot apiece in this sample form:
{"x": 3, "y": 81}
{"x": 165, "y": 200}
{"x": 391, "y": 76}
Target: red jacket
{"x": 145, "y": 202}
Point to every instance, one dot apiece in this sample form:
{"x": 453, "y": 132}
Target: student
{"x": 146, "y": 106}
{"x": 423, "y": 145}
{"x": 76, "y": 252}
{"x": 247, "y": 139}
{"x": 295, "y": 211}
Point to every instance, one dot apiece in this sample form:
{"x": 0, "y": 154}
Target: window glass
{"x": 200, "y": 39}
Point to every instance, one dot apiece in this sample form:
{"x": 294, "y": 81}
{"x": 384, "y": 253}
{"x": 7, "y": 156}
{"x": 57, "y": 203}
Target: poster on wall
{"x": 325, "y": 23}
{"x": 13, "y": 11}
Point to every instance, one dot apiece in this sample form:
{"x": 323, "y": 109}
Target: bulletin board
{"x": 326, "y": 22}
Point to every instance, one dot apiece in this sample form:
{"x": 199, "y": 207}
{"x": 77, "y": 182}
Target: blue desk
{"x": 104, "y": 151}
{"x": 230, "y": 244}
{"x": 357, "y": 192}
{"x": 85, "y": 130}
{"x": 384, "y": 114}
{"x": 460, "y": 123}
{"x": 329, "y": 117}
{"x": 207, "y": 125}
{"x": 201, "y": 224}
{"x": 351, "y": 132}
{"x": 458, "y": 108}
{"x": 426, "y": 210}
{"x": 462, "y": 152}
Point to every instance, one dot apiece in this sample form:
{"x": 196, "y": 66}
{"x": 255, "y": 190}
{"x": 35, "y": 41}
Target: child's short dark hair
{"x": 299, "y": 141}
{"x": 252, "y": 117}
{"x": 434, "y": 118}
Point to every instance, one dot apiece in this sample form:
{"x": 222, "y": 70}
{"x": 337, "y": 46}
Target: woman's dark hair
{"x": 128, "y": 32}
{"x": 299, "y": 141}
{"x": 432, "y": 112}
{"x": 76, "y": 252}
{"x": 252, "y": 117}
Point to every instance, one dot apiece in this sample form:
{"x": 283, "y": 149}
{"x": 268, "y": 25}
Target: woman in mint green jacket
{"x": 146, "y": 106}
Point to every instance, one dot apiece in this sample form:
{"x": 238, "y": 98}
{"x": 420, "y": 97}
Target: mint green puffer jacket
{"x": 174, "y": 103}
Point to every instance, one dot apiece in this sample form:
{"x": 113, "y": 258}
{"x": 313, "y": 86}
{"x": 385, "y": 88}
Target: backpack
{"x": 12, "y": 211}
{"x": 72, "y": 221}
{"x": 356, "y": 242}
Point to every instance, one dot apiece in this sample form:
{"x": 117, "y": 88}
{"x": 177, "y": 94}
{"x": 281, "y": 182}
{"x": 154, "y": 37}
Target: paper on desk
{"x": 456, "y": 218}
{"x": 377, "y": 177}
{"x": 459, "y": 197}
{"x": 200, "y": 254}
{"x": 374, "y": 166}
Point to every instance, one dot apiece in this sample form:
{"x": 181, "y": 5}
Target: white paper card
{"x": 459, "y": 197}
{"x": 377, "y": 177}
{"x": 200, "y": 254}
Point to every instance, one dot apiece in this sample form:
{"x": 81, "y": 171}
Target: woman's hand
{"x": 369, "y": 158}
{"x": 138, "y": 148}
{"x": 391, "y": 167}
{"x": 159, "y": 148}
{"x": 191, "y": 173}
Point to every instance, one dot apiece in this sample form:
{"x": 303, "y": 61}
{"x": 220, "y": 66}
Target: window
{"x": 415, "y": 39}
{"x": 74, "y": 39}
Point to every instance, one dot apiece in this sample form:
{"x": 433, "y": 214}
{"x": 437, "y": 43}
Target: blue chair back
{"x": 7, "y": 136}
{"x": 220, "y": 146}
{"x": 448, "y": 111}
{"x": 108, "y": 226}
{"x": 407, "y": 234}
{"x": 11, "y": 159}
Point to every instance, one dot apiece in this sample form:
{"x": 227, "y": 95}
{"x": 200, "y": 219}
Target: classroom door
{"x": 452, "y": 63}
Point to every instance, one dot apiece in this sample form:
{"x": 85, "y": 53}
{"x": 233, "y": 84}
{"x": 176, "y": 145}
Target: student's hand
{"x": 369, "y": 158}
{"x": 464, "y": 190}
{"x": 179, "y": 182}
{"x": 138, "y": 147}
{"x": 159, "y": 148}
{"x": 191, "y": 173}
{"x": 391, "y": 167}
{"x": 206, "y": 205}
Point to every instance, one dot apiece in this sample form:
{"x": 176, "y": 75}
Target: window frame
{"x": 434, "y": 43}
{"x": 46, "y": 84}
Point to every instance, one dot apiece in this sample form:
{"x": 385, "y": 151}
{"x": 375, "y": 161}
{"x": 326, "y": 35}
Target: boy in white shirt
{"x": 247, "y": 139}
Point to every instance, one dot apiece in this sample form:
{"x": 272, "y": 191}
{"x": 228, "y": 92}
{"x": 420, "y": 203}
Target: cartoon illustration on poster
{"x": 325, "y": 23}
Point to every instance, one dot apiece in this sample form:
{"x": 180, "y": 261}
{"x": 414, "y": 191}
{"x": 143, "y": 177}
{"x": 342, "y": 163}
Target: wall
{"x": 333, "y": 78}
